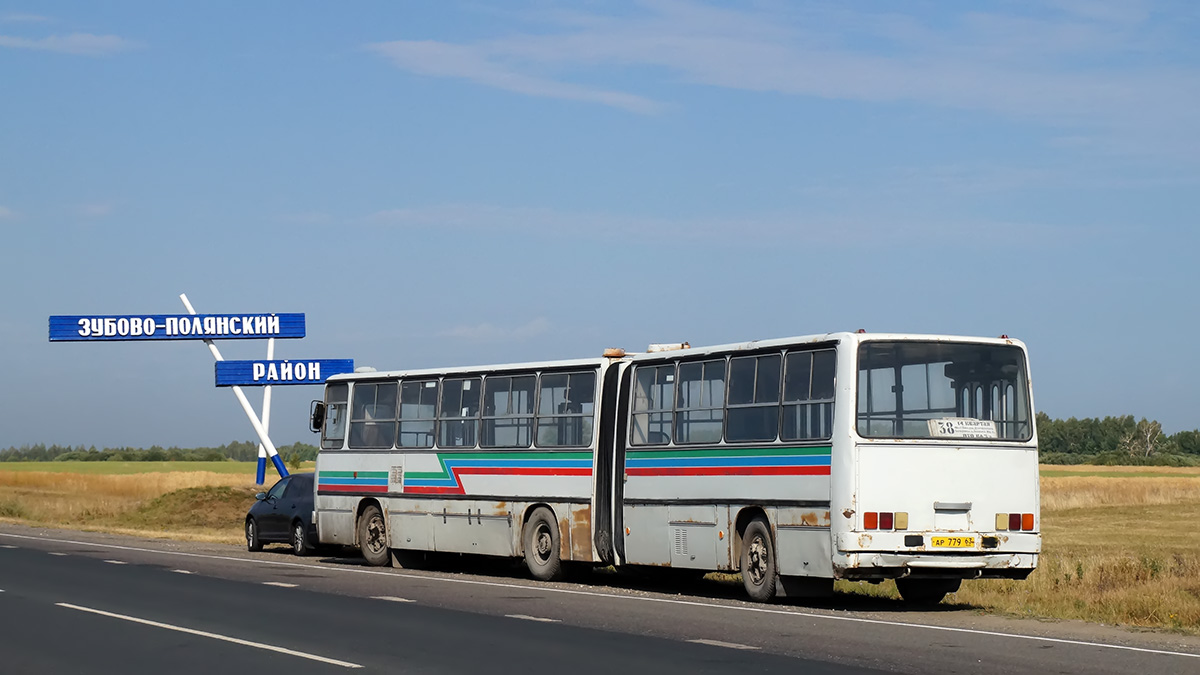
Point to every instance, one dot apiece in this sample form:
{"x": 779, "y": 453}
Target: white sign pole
{"x": 241, "y": 397}
{"x": 266, "y": 416}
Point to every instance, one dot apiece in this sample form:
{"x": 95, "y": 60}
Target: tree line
{"x": 1114, "y": 440}
{"x": 240, "y": 451}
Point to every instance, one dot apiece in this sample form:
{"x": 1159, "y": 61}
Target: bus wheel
{"x": 926, "y": 591}
{"x": 253, "y": 543}
{"x": 758, "y": 561}
{"x": 540, "y": 537}
{"x": 372, "y": 537}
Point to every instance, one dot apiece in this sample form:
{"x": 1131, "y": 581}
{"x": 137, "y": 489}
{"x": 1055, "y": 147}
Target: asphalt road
{"x": 74, "y": 602}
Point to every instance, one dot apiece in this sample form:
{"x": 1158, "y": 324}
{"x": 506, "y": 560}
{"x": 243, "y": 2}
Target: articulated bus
{"x": 792, "y": 462}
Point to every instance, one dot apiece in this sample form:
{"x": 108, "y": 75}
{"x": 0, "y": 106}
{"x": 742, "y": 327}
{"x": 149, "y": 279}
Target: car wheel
{"x": 253, "y": 543}
{"x": 299, "y": 543}
{"x": 372, "y": 537}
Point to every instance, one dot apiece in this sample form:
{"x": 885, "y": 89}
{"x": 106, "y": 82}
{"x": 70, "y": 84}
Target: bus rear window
{"x": 942, "y": 390}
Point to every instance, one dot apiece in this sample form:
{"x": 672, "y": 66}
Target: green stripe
{"x": 729, "y": 452}
{"x": 445, "y": 473}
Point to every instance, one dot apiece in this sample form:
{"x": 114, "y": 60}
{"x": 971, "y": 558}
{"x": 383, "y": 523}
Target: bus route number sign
{"x": 962, "y": 427}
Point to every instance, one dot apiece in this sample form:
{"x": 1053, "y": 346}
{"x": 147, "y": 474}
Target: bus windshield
{"x": 942, "y": 390}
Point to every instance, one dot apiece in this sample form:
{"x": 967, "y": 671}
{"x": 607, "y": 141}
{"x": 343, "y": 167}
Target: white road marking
{"x": 59, "y": 553}
{"x": 390, "y": 598}
{"x": 727, "y": 645}
{"x": 280, "y": 584}
{"x": 7, "y": 546}
{"x": 115, "y": 562}
{"x": 215, "y": 636}
{"x": 182, "y": 571}
{"x": 634, "y": 598}
{"x": 526, "y": 617}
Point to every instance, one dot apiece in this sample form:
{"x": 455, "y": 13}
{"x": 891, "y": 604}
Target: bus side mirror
{"x": 317, "y": 415}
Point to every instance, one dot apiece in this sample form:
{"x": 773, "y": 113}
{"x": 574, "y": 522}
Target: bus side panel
{"x": 647, "y": 541}
{"x": 335, "y": 519}
{"x": 803, "y": 541}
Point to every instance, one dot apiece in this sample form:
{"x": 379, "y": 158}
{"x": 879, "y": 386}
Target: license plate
{"x": 952, "y": 542}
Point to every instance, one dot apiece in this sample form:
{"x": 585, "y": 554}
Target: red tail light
{"x": 871, "y": 520}
{"x": 1014, "y": 521}
{"x": 1027, "y": 521}
{"x": 885, "y": 521}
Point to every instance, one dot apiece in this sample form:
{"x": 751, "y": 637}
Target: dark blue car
{"x": 284, "y": 514}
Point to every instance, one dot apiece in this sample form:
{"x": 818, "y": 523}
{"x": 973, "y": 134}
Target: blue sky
{"x": 464, "y": 182}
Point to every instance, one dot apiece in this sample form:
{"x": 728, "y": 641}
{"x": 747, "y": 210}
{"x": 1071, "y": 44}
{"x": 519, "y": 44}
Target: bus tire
{"x": 253, "y": 543}
{"x": 758, "y": 561}
{"x": 299, "y": 544}
{"x": 926, "y": 591}
{"x": 541, "y": 543}
{"x": 372, "y": 537}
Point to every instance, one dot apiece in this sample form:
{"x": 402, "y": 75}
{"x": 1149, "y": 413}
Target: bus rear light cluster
{"x": 1015, "y": 522}
{"x": 885, "y": 520}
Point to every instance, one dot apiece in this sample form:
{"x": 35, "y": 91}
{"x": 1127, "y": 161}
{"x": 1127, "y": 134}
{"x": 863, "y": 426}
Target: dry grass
{"x": 122, "y": 502}
{"x": 1063, "y": 493}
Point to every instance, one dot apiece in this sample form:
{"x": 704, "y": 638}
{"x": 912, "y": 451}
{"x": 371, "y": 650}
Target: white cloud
{"x": 98, "y": 210}
{"x": 1094, "y": 65}
{"x": 83, "y": 44}
{"x": 441, "y": 59}
{"x": 488, "y": 332}
{"x": 17, "y": 17}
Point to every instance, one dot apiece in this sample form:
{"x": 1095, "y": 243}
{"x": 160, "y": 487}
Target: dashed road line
{"x": 390, "y": 598}
{"x": 116, "y": 562}
{"x": 526, "y": 617}
{"x": 215, "y": 636}
{"x": 281, "y": 584}
{"x": 727, "y": 645}
{"x": 182, "y": 571}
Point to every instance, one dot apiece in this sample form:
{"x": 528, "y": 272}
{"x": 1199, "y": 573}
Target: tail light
{"x": 1015, "y": 522}
{"x": 885, "y": 520}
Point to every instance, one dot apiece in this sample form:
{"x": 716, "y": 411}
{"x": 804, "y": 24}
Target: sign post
{"x": 263, "y": 438}
{"x": 234, "y": 374}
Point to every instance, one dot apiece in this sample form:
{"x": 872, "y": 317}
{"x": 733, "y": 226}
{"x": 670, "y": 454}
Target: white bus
{"x": 793, "y": 462}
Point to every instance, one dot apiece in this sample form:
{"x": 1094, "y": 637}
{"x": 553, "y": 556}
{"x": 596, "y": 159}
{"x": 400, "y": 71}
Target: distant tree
{"x": 1144, "y": 439}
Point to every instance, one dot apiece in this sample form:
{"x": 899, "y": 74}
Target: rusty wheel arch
{"x": 362, "y": 506}
{"x": 743, "y": 519}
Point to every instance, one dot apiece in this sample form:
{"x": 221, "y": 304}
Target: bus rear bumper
{"x": 880, "y": 566}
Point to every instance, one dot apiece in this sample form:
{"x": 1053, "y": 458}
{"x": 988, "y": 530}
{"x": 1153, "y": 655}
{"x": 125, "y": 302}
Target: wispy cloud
{"x": 1096, "y": 65}
{"x": 17, "y": 17}
{"x": 96, "y": 210}
{"x": 489, "y": 332}
{"x": 477, "y": 64}
{"x": 82, "y": 44}
{"x": 877, "y": 224}
{"x": 7, "y": 213}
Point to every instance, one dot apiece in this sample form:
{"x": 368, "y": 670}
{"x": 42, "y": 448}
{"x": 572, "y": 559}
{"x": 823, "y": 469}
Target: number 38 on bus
{"x": 790, "y": 462}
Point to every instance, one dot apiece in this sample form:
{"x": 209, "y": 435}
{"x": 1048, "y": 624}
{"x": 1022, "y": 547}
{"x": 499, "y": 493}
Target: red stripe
{"x": 730, "y": 471}
{"x": 352, "y": 488}
{"x": 433, "y": 490}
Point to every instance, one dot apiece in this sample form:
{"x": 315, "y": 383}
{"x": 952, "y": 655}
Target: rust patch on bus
{"x": 581, "y": 533}
{"x": 815, "y": 519}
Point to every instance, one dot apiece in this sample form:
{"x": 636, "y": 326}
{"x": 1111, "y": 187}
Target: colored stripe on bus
{"x": 772, "y": 461}
{"x": 454, "y": 466}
